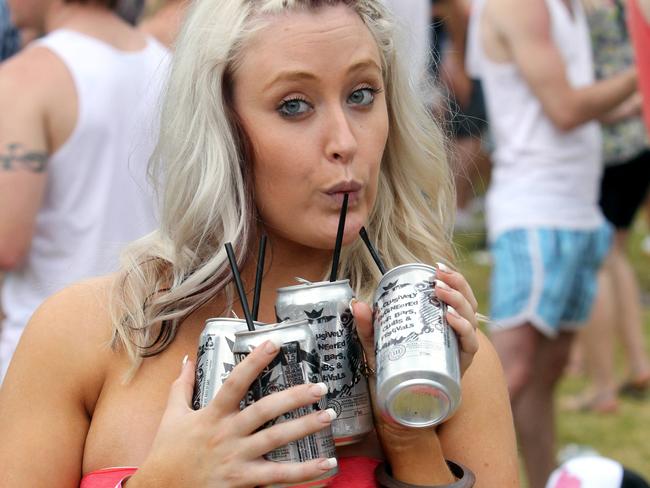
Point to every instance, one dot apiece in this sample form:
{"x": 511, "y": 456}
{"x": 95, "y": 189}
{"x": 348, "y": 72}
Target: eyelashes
{"x": 297, "y": 106}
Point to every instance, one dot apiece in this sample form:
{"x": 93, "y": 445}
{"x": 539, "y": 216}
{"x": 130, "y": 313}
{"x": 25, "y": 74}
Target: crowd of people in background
{"x": 546, "y": 104}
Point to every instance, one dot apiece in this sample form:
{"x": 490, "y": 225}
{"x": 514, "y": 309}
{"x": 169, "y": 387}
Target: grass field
{"x": 625, "y": 435}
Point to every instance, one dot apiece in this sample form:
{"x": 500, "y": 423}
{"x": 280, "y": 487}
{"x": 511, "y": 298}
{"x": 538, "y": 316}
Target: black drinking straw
{"x": 258, "y": 276}
{"x": 339, "y": 239}
{"x": 240, "y": 286}
{"x": 373, "y": 251}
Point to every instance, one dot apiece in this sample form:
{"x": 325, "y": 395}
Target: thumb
{"x": 363, "y": 319}
{"x": 180, "y": 393}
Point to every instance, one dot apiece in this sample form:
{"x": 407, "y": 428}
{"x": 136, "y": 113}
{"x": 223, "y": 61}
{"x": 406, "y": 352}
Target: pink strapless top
{"x": 357, "y": 472}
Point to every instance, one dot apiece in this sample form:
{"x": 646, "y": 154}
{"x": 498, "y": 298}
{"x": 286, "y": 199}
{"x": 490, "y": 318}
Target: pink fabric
{"x": 357, "y": 472}
{"x": 106, "y": 478}
{"x": 640, "y": 33}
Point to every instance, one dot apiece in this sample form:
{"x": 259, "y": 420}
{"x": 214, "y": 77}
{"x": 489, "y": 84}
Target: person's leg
{"x": 629, "y": 313}
{"x": 596, "y": 342}
{"x": 534, "y": 409}
{"x": 516, "y": 348}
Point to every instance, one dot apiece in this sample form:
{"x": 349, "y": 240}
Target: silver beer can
{"x": 418, "y": 369}
{"x": 326, "y": 305}
{"x": 297, "y": 363}
{"x": 214, "y": 358}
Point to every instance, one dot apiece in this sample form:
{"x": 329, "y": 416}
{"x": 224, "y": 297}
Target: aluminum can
{"x": 418, "y": 369}
{"x": 214, "y": 358}
{"x": 297, "y": 363}
{"x": 326, "y": 305}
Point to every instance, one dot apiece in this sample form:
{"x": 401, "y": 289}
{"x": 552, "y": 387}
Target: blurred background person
{"x": 547, "y": 235}
{"x": 623, "y": 188}
{"x": 76, "y": 131}
{"x": 163, "y": 20}
{"x": 464, "y": 109}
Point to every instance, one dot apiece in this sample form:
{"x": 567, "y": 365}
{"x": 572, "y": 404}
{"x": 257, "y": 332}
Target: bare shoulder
{"x": 69, "y": 333}
{"x": 35, "y": 71}
{"x": 514, "y": 17}
{"x": 481, "y": 434}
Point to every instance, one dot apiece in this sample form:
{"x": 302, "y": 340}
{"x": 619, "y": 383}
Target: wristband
{"x": 465, "y": 477}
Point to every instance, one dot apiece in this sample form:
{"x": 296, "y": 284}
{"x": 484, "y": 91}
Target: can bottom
{"x": 319, "y": 482}
{"x": 418, "y": 403}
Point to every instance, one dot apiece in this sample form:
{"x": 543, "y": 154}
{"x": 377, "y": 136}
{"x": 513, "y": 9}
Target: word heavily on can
{"x": 418, "y": 369}
{"x": 297, "y": 363}
{"x": 326, "y": 305}
{"x": 214, "y": 359}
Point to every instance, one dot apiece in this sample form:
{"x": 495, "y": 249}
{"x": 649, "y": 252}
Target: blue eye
{"x": 363, "y": 96}
{"x": 293, "y": 107}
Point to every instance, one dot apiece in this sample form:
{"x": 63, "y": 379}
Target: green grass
{"x": 625, "y": 435}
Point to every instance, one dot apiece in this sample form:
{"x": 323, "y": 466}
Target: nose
{"x": 341, "y": 143}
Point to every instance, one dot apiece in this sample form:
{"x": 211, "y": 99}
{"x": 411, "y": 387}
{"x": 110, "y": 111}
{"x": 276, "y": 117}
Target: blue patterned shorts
{"x": 546, "y": 277}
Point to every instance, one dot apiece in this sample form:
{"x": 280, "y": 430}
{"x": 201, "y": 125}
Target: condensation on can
{"x": 326, "y": 305}
{"x": 297, "y": 363}
{"x": 418, "y": 370}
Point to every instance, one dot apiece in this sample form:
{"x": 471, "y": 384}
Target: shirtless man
{"x": 73, "y": 151}
{"x": 547, "y": 235}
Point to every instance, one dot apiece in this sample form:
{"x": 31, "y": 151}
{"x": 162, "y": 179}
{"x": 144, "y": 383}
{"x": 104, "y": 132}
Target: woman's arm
{"x": 45, "y": 397}
{"x": 481, "y": 433}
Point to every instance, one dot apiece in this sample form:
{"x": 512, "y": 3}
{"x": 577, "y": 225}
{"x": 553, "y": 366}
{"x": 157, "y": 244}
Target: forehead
{"x": 317, "y": 40}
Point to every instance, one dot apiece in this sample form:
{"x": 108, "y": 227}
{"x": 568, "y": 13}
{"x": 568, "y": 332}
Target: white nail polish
{"x": 328, "y": 463}
{"x": 442, "y": 285}
{"x": 185, "y": 359}
{"x": 452, "y": 311}
{"x": 443, "y": 267}
{"x": 319, "y": 389}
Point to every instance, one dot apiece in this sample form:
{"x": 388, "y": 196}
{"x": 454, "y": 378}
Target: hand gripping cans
{"x": 326, "y": 306}
{"x": 297, "y": 362}
{"x": 418, "y": 370}
{"x": 214, "y": 359}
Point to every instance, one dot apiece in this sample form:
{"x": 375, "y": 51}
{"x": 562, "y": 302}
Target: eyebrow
{"x": 299, "y": 75}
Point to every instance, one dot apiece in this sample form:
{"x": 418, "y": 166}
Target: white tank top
{"x": 97, "y": 197}
{"x": 542, "y": 177}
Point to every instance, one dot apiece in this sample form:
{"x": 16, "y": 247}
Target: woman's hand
{"x": 220, "y": 445}
{"x": 408, "y": 449}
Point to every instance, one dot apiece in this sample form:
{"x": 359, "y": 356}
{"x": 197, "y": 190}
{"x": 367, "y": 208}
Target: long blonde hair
{"x": 201, "y": 167}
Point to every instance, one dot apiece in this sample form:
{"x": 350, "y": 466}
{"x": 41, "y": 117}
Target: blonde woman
{"x": 274, "y": 110}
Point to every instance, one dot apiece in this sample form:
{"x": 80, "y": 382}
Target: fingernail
{"x": 351, "y": 305}
{"x": 443, "y": 285}
{"x": 319, "y": 389}
{"x": 443, "y": 267}
{"x": 452, "y": 311}
{"x": 185, "y": 359}
{"x": 328, "y": 463}
{"x": 327, "y": 416}
{"x": 272, "y": 346}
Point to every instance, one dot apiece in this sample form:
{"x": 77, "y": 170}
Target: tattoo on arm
{"x": 15, "y": 157}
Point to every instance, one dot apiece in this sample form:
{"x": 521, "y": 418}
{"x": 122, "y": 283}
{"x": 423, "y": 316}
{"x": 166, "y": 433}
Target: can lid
{"x": 266, "y": 328}
{"x": 419, "y": 403}
{"x": 407, "y": 266}
{"x": 305, "y": 285}
{"x": 229, "y": 320}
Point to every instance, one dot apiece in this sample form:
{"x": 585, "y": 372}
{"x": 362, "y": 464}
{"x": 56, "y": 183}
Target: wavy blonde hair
{"x": 202, "y": 170}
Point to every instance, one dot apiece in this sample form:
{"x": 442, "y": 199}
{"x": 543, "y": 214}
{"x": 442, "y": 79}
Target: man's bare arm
{"x": 525, "y": 28}
{"x": 23, "y": 155}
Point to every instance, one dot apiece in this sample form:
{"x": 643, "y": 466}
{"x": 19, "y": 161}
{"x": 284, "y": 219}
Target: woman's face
{"x": 309, "y": 93}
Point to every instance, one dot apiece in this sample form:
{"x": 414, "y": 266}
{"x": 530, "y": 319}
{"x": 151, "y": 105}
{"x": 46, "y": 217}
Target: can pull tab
{"x": 302, "y": 281}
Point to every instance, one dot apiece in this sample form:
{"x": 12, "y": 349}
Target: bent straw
{"x": 240, "y": 286}
{"x": 339, "y": 239}
{"x": 373, "y": 251}
{"x": 261, "y": 253}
